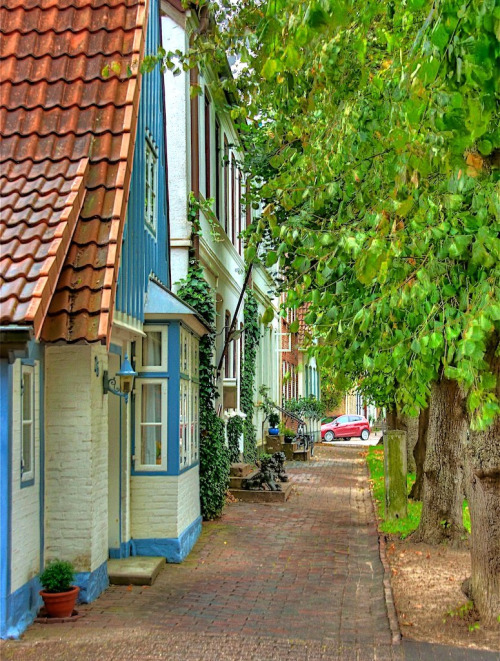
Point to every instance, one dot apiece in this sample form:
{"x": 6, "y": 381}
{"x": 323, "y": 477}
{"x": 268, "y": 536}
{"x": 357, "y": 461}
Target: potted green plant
{"x": 58, "y": 594}
{"x": 273, "y": 419}
{"x": 289, "y": 434}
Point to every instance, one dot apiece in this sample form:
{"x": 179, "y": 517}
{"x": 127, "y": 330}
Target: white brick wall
{"x": 162, "y": 505}
{"x": 76, "y": 456}
{"x": 25, "y": 556}
{"x": 153, "y": 506}
{"x": 189, "y": 498}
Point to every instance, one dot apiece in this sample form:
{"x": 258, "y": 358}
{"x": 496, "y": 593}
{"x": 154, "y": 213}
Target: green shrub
{"x": 57, "y": 576}
{"x": 234, "y": 431}
{"x": 273, "y": 419}
{"x": 214, "y": 455}
{"x": 248, "y": 368}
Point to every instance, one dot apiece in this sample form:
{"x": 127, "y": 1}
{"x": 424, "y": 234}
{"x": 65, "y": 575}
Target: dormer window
{"x": 151, "y": 193}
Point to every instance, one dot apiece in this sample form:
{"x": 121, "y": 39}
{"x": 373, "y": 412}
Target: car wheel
{"x": 329, "y": 436}
{"x": 365, "y": 434}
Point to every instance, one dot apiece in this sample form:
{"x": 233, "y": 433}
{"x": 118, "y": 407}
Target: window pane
{"x": 27, "y": 394}
{"x": 27, "y": 435}
{"x": 151, "y": 402}
{"x": 151, "y": 444}
{"x": 151, "y": 349}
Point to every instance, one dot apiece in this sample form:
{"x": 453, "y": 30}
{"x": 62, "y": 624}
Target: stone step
{"x": 301, "y": 455}
{"x": 236, "y": 482}
{"x": 241, "y": 470}
{"x": 136, "y": 570}
{"x": 249, "y": 496}
{"x": 289, "y": 449}
{"x": 273, "y": 443}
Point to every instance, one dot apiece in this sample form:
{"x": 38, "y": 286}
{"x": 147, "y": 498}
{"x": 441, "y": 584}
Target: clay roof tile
{"x": 65, "y": 159}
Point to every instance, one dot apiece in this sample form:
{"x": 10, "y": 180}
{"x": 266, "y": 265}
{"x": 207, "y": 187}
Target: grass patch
{"x": 401, "y": 527}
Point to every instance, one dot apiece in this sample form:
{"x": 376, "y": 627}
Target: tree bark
{"x": 419, "y": 455}
{"x": 483, "y": 494}
{"x": 442, "y": 516}
{"x": 411, "y": 426}
{"x": 395, "y": 421}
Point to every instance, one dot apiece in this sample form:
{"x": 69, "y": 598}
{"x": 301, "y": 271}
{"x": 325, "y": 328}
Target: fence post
{"x": 396, "y": 496}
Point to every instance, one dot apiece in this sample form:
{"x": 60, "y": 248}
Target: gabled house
{"x": 205, "y": 156}
{"x": 85, "y": 271}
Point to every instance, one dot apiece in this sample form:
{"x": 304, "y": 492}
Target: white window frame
{"x": 138, "y": 465}
{"x": 151, "y": 203}
{"x": 164, "y": 351}
{"x": 189, "y": 431}
{"x": 28, "y": 475}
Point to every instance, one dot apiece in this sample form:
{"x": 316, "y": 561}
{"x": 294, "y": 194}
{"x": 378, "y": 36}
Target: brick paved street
{"x": 299, "y": 581}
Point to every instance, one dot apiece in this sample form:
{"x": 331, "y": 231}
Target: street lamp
{"x": 126, "y": 377}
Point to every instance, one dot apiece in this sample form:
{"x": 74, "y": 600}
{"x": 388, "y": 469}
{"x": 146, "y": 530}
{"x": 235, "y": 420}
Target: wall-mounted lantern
{"x": 126, "y": 377}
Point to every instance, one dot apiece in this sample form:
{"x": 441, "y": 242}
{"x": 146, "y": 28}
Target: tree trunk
{"x": 419, "y": 455}
{"x": 483, "y": 493}
{"x": 442, "y": 517}
{"x": 395, "y": 421}
{"x": 411, "y": 426}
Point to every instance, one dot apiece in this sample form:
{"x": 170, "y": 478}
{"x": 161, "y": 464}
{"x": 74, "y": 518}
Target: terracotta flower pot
{"x": 60, "y": 604}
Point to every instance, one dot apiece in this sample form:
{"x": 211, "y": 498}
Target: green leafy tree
{"x": 378, "y": 149}
{"x": 380, "y": 124}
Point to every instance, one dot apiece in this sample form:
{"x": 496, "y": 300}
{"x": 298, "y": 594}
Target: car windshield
{"x": 327, "y": 421}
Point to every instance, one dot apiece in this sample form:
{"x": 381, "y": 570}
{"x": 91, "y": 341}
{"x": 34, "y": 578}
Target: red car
{"x": 346, "y": 426}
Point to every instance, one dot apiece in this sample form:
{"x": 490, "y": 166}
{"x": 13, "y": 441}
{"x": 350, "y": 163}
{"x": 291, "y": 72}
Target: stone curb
{"x": 389, "y": 597}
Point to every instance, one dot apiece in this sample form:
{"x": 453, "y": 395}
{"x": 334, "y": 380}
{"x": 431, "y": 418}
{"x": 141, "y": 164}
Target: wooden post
{"x": 396, "y": 498}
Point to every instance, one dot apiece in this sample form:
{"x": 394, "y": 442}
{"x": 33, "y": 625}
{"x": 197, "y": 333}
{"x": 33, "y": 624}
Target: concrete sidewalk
{"x": 299, "y": 581}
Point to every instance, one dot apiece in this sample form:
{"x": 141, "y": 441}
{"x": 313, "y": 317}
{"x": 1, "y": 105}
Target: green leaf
{"x": 271, "y": 258}
{"x": 270, "y": 68}
{"x": 310, "y": 317}
{"x": 268, "y": 315}
{"x": 294, "y": 326}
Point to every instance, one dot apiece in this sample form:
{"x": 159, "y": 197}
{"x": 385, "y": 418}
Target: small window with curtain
{"x": 189, "y": 433}
{"x": 27, "y": 423}
{"x": 152, "y": 353}
{"x": 151, "y": 424}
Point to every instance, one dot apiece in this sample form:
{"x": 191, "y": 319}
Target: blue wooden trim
{"x": 123, "y": 552}
{"x": 142, "y": 253}
{"x": 153, "y": 375}
{"x": 173, "y": 549}
{"x": 188, "y": 468}
{"x": 92, "y": 583}
{"x": 41, "y": 432}
{"x": 5, "y": 492}
{"x": 116, "y": 349}
{"x": 21, "y": 607}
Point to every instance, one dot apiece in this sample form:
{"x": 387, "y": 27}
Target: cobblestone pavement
{"x": 297, "y": 581}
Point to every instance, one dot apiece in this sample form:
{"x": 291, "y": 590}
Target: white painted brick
{"x": 76, "y": 502}
{"x": 164, "y": 506}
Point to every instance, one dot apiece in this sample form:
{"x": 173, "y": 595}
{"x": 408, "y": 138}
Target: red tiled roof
{"x": 65, "y": 159}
